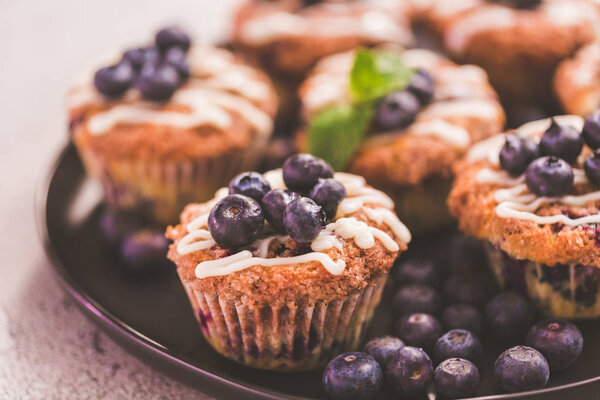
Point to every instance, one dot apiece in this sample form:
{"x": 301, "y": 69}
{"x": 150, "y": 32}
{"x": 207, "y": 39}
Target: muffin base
{"x": 296, "y": 336}
{"x": 564, "y": 291}
{"x": 159, "y": 190}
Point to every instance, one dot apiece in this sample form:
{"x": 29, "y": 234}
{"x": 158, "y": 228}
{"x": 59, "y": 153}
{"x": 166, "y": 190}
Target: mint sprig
{"x": 377, "y": 73}
{"x": 337, "y": 131}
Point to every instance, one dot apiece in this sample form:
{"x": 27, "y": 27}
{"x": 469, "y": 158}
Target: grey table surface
{"x": 48, "y": 349}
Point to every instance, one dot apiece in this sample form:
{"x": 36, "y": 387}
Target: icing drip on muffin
{"x": 375, "y": 204}
{"x": 515, "y": 199}
{"x": 369, "y": 19}
{"x": 217, "y": 86}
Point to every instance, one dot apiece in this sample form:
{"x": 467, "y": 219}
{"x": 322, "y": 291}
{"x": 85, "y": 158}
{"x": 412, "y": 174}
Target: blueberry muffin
{"x": 167, "y": 124}
{"x": 518, "y": 42}
{"x": 400, "y": 119}
{"x": 289, "y": 36}
{"x": 532, "y": 195}
{"x": 577, "y": 81}
{"x": 284, "y": 270}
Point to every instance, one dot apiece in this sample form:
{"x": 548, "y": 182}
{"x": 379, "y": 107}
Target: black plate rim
{"x": 151, "y": 352}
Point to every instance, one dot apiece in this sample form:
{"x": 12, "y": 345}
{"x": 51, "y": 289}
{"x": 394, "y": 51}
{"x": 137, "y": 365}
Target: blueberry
{"x": 463, "y": 316}
{"x": 139, "y": 56}
{"x": 558, "y": 340}
{"x": 508, "y": 315}
{"x": 236, "y": 221}
{"x": 416, "y": 270}
{"x": 116, "y": 224}
{"x": 517, "y": 153}
{"x": 158, "y": 81}
{"x": 382, "y": 348}
{"x": 303, "y": 219}
{"x": 562, "y": 141}
{"x": 591, "y": 130}
{"x": 328, "y": 193}
{"x": 475, "y": 288}
{"x": 409, "y": 372}
{"x": 145, "y": 250}
{"x": 422, "y": 86}
{"x": 521, "y": 368}
{"x": 456, "y": 378}
{"x": 592, "y": 168}
{"x": 458, "y": 343}
{"x": 273, "y": 204}
{"x": 417, "y": 298}
{"x": 549, "y": 177}
{"x": 176, "y": 57}
{"x": 115, "y": 80}
{"x": 302, "y": 171}
{"x": 172, "y": 37}
{"x": 352, "y": 376}
{"x": 397, "y": 110}
{"x": 251, "y": 184}
{"x": 419, "y": 329}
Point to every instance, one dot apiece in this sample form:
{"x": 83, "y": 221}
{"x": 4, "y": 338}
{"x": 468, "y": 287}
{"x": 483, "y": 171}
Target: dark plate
{"x": 151, "y": 316}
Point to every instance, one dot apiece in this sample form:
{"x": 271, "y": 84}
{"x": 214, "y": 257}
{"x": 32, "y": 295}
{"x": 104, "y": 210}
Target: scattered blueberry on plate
{"x": 456, "y": 378}
{"x": 560, "y": 341}
{"x": 508, "y": 315}
{"x": 463, "y": 316}
{"x": 521, "y": 368}
{"x": 419, "y": 330}
{"x": 409, "y": 372}
{"x": 458, "y": 343}
{"x": 382, "y": 348}
{"x": 353, "y": 376}
{"x": 417, "y": 298}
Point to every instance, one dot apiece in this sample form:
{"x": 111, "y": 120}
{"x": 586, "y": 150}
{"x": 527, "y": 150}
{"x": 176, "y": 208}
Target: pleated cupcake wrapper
{"x": 556, "y": 290}
{"x": 300, "y": 335}
{"x": 161, "y": 189}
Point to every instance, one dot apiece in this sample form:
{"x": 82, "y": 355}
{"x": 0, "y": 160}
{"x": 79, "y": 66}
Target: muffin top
{"x": 296, "y": 33}
{"x": 568, "y": 22}
{"x": 577, "y": 81}
{"x": 533, "y": 192}
{"x": 415, "y": 130}
{"x": 325, "y": 247}
{"x": 173, "y": 103}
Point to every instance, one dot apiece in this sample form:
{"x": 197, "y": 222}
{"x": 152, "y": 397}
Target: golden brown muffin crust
{"x": 280, "y": 284}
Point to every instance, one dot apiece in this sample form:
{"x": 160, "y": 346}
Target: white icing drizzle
{"x": 217, "y": 86}
{"x": 515, "y": 200}
{"x": 491, "y": 17}
{"x": 453, "y": 134}
{"x": 357, "y": 195}
{"x": 365, "y": 19}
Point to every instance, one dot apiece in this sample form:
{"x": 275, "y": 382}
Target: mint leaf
{"x": 336, "y": 133}
{"x": 377, "y": 73}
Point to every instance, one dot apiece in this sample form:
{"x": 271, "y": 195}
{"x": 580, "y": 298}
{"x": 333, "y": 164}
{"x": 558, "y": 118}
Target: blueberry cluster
{"x": 399, "y": 109}
{"x": 547, "y": 165}
{"x": 156, "y": 71}
{"x": 301, "y": 211}
{"x": 447, "y": 351}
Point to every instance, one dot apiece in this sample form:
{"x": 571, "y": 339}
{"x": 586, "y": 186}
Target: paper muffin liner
{"x": 300, "y": 335}
{"x": 564, "y": 291}
{"x": 159, "y": 189}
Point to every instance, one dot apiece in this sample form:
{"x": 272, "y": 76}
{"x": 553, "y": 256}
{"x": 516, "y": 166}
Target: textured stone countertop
{"x": 48, "y": 349}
